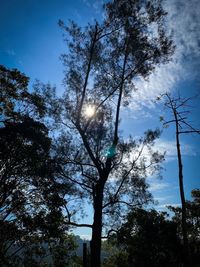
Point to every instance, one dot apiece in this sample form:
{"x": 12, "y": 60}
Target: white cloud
{"x": 170, "y": 148}
{"x": 85, "y": 237}
{"x": 162, "y": 80}
{"x": 183, "y": 21}
{"x": 169, "y": 204}
{"x": 162, "y": 199}
{"x": 164, "y": 147}
{"x": 158, "y": 186}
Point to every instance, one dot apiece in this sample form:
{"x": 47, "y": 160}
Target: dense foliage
{"x": 150, "y": 238}
{"x": 30, "y": 207}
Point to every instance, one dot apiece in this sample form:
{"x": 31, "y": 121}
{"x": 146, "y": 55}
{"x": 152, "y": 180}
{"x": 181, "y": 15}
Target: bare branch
{"x": 186, "y": 132}
{"x": 80, "y": 225}
{"x": 192, "y": 128}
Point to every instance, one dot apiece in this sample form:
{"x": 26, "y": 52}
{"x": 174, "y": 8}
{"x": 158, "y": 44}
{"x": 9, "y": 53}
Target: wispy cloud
{"x": 96, "y": 5}
{"x": 163, "y": 199}
{"x": 157, "y": 186}
{"x": 164, "y": 206}
{"x": 169, "y": 147}
{"x": 183, "y": 22}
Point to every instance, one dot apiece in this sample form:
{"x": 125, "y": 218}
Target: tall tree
{"x": 179, "y": 109}
{"x": 102, "y": 61}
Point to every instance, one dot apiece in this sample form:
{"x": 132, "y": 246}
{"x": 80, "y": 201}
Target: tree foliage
{"x": 192, "y": 224}
{"x": 151, "y": 238}
{"x": 30, "y": 207}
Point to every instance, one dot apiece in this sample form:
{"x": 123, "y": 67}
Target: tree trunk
{"x": 97, "y": 229}
{"x": 183, "y": 204}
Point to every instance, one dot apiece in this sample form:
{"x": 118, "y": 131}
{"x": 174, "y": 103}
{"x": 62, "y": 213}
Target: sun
{"x": 89, "y": 110}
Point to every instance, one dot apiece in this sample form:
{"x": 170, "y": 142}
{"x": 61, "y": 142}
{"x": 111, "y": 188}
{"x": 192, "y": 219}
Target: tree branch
{"x": 109, "y": 232}
{"x": 94, "y": 40}
{"x": 88, "y": 188}
{"x": 80, "y": 225}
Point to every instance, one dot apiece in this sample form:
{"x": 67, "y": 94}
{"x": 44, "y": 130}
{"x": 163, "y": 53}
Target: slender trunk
{"x": 96, "y": 232}
{"x": 120, "y": 96}
{"x": 182, "y": 194}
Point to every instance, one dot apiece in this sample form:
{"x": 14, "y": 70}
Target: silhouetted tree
{"x": 102, "y": 62}
{"x": 30, "y": 206}
{"x": 179, "y": 109}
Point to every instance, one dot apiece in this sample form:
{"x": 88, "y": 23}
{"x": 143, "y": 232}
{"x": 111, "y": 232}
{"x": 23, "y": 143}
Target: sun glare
{"x": 89, "y": 110}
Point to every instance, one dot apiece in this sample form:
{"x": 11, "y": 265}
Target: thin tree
{"x": 102, "y": 61}
{"x": 179, "y": 108}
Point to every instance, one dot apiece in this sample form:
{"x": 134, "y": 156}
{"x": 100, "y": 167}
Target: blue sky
{"x": 32, "y": 42}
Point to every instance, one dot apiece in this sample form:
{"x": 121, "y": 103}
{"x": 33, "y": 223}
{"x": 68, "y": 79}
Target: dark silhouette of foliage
{"x": 192, "y": 224}
{"x": 147, "y": 238}
{"x": 30, "y": 206}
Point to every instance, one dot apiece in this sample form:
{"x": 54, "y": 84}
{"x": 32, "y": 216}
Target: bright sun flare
{"x": 89, "y": 111}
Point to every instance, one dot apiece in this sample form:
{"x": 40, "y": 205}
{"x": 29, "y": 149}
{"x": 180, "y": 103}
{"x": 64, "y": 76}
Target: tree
{"x": 147, "y": 238}
{"x": 116, "y": 255}
{"x": 193, "y": 225}
{"x": 177, "y": 106}
{"x": 102, "y": 62}
{"x": 30, "y": 206}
